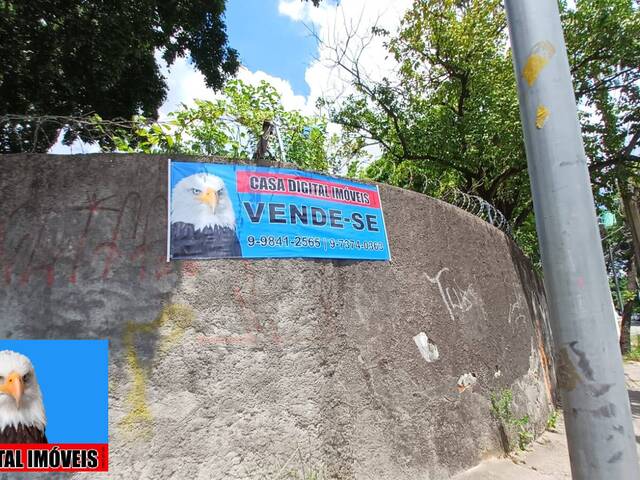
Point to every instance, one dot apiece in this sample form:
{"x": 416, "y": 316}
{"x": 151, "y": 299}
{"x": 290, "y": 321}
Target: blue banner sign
{"x": 240, "y": 211}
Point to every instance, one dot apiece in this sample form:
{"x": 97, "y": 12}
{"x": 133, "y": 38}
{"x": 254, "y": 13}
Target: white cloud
{"x": 333, "y": 24}
{"x": 290, "y": 100}
{"x": 346, "y": 26}
{"x": 186, "y": 84}
{"x": 294, "y": 10}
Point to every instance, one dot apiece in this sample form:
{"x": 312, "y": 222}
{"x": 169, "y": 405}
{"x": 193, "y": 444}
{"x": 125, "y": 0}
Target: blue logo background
{"x": 74, "y": 380}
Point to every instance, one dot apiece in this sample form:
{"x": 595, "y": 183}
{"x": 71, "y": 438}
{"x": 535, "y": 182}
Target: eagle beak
{"x": 209, "y": 197}
{"x": 13, "y": 386}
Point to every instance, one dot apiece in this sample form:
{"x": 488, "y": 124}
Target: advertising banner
{"x": 241, "y": 211}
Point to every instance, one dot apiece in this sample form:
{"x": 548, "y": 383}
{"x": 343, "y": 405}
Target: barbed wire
{"x": 37, "y": 133}
{"x": 94, "y": 130}
{"x": 480, "y": 208}
{"x": 61, "y": 120}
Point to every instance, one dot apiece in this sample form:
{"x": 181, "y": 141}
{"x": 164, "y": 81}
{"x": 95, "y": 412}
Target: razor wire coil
{"x": 480, "y": 208}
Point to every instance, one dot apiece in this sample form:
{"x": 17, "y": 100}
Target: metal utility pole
{"x": 589, "y": 365}
{"x": 263, "y": 144}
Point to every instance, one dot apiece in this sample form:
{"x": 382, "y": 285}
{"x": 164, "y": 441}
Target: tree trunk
{"x": 625, "y": 328}
{"x": 631, "y": 202}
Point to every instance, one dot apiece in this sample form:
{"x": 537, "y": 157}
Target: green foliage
{"x": 633, "y": 355}
{"x": 75, "y": 57}
{"x": 603, "y": 38}
{"x": 231, "y": 125}
{"x": 501, "y": 405}
{"x": 305, "y": 475}
{"x": 525, "y": 436}
{"x": 552, "y": 421}
{"x": 451, "y": 120}
{"x": 501, "y": 411}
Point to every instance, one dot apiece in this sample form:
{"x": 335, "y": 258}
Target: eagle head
{"x": 20, "y": 396}
{"x": 202, "y": 200}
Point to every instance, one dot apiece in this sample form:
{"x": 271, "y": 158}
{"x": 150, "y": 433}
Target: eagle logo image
{"x": 203, "y": 223}
{"x": 22, "y": 417}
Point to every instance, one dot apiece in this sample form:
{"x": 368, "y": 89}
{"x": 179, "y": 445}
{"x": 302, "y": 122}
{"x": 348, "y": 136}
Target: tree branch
{"x": 509, "y": 172}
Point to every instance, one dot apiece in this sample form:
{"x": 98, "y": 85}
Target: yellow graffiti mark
{"x": 567, "y": 375}
{"x": 175, "y": 317}
{"x": 541, "y": 116}
{"x": 540, "y": 55}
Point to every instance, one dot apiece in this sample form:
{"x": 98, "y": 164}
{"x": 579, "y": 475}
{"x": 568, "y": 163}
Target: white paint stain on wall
{"x": 428, "y": 350}
{"x": 467, "y": 380}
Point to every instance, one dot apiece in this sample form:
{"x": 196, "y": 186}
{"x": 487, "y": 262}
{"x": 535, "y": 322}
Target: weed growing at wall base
{"x": 552, "y": 421}
{"x": 525, "y": 436}
{"x": 501, "y": 411}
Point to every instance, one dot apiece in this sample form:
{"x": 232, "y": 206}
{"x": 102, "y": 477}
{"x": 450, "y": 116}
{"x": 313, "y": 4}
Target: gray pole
{"x": 589, "y": 365}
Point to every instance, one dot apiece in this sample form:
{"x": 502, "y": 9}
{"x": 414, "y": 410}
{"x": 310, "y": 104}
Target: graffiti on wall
{"x": 88, "y": 240}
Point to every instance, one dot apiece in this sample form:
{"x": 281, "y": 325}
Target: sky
{"x": 278, "y": 41}
{"x": 269, "y": 41}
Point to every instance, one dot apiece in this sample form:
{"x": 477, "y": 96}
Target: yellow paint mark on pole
{"x": 542, "y": 114}
{"x": 175, "y": 318}
{"x": 540, "y": 55}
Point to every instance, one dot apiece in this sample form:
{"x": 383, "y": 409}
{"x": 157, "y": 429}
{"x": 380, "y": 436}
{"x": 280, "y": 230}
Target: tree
{"x": 603, "y": 39}
{"x": 450, "y": 119}
{"x": 231, "y": 125}
{"x": 74, "y": 58}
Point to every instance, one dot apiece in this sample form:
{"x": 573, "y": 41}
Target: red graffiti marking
{"x": 112, "y": 246}
{"x": 190, "y": 268}
{"x": 140, "y": 253}
{"x": 93, "y": 206}
{"x": 25, "y": 254}
{"x": 144, "y": 247}
{"x": 164, "y": 268}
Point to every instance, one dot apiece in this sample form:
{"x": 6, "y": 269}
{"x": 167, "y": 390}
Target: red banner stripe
{"x": 358, "y": 196}
{"x": 54, "y": 457}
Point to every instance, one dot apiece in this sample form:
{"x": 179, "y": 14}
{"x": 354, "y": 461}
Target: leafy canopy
{"x": 231, "y": 125}
{"x": 74, "y": 58}
{"x": 450, "y": 119}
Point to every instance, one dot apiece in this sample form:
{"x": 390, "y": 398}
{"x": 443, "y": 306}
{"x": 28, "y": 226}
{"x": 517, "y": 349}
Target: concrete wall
{"x": 273, "y": 368}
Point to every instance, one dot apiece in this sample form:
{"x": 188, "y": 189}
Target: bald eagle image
{"x": 22, "y": 417}
{"x": 203, "y": 223}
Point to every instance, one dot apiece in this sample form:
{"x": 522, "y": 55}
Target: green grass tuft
{"x": 552, "y": 421}
{"x": 634, "y": 353}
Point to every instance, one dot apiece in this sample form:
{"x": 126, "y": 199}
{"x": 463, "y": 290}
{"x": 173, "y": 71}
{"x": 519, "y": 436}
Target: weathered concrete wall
{"x": 273, "y": 368}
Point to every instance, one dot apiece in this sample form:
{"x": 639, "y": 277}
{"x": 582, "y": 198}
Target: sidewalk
{"x": 548, "y": 457}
